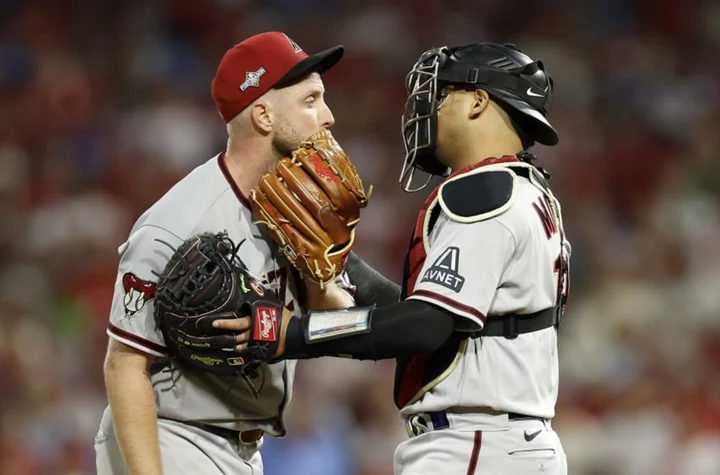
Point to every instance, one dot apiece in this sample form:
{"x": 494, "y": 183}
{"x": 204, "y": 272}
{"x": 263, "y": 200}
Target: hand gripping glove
{"x": 310, "y": 205}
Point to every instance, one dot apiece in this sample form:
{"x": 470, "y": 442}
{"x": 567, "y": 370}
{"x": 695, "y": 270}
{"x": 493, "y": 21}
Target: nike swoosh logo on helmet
{"x": 529, "y": 92}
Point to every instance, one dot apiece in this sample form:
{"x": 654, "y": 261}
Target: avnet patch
{"x": 445, "y": 271}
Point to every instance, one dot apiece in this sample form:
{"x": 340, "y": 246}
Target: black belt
{"x": 247, "y": 436}
{"x": 513, "y": 416}
{"x": 439, "y": 421}
{"x": 512, "y": 325}
{"x": 231, "y": 434}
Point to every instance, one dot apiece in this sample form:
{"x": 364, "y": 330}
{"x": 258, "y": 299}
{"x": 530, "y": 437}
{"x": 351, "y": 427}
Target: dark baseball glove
{"x": 310, "y": 204}
{"x": 205, "y": 281}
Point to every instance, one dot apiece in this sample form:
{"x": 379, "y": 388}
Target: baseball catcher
{"x": 310, "y": 204}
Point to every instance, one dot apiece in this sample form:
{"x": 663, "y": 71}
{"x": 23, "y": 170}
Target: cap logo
{"x": 252, "y": 79}
{"x": 294, "y": 45}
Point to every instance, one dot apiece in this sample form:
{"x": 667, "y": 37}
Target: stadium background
{"x": 105, "y": 104}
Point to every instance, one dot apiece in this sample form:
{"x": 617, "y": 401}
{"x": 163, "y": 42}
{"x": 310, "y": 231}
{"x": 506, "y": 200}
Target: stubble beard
{"x": 285, "y": 141}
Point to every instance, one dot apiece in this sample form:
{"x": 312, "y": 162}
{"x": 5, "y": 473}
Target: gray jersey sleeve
{"x": 464, "y": 267}
{"x": 131, "y": 314}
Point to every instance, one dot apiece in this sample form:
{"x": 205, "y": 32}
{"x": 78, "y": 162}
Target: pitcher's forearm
{"x": 132, "y": 401}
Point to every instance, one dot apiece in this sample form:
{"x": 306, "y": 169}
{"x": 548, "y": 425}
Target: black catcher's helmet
{"x": 512, "y": 79}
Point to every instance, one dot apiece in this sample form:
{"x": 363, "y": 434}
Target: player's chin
{"x": 283, "y": 148}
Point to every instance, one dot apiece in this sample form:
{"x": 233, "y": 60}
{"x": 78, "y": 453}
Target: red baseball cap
{"x": 260, "y": 63}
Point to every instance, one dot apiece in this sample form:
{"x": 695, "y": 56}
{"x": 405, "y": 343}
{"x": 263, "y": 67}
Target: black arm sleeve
{"x": 372, "y": 286}
{"x": 398, "y": 330}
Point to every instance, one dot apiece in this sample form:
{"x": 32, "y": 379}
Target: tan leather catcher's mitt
{"x": 310, "y": 204}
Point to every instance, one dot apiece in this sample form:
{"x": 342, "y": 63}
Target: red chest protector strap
{"x": 416, "y": 254}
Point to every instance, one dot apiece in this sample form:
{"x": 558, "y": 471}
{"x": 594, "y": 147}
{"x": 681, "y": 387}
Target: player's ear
{"x": 480, "y": 102}
{"x": 261, "y": 118}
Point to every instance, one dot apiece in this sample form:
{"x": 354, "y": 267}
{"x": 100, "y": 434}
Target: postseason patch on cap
{"x": 252, "y": 79}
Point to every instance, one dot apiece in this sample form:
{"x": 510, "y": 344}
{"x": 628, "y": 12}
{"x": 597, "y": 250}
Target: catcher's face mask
{"x": 511, "y": 78}
{"x": 419, "y": 120}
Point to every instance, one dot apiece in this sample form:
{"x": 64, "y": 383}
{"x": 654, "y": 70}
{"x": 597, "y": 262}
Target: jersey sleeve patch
{"x": 444, "y": 271}
{"x": 142, "y": 259}
{"x": 137, "y": 293}
{"x": 479, "y": 195}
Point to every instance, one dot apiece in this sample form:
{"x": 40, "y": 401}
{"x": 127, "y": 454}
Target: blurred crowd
{"x": 105, "y": 104}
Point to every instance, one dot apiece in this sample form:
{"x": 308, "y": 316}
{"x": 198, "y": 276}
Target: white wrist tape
{"x": 323, "y": 325}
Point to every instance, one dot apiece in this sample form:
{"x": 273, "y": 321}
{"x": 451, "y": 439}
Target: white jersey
{"x": 207, "y": 200}
{"x": 507, "y": 263}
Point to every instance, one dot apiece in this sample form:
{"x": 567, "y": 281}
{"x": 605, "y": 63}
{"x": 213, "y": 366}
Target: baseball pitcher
{"x": 182, "y": 399}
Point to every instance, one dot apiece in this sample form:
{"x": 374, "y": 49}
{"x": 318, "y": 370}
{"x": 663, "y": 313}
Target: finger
{"x": 243, "y": 337}
{"x": 241, "y": 347}
{"x": 235, "y": 324}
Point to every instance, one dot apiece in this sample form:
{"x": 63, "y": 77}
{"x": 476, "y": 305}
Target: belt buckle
{"x": 417, "y": 425}
{"x": 409, "y": 429}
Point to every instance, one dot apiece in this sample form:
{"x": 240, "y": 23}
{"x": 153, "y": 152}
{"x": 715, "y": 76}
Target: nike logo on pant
{"x": 529, "y": 437}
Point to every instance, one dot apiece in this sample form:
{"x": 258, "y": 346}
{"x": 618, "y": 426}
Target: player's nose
{"x": 327, "y": 118}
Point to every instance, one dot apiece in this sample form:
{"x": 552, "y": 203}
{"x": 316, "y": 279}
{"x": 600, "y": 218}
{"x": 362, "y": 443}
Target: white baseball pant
{"x": 480, "y": 444}
{"x": 184, "y": 449}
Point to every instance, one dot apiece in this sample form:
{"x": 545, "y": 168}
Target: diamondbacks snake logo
{"x": 137, "y": 293}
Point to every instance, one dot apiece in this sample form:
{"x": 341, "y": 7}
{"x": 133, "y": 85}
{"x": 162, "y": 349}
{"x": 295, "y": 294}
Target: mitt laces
{"x": 223, "y": 245}
{"x": 247, "y": 373}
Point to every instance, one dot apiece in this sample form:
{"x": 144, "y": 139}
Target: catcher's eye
{"x": 442, "y": 97}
